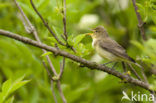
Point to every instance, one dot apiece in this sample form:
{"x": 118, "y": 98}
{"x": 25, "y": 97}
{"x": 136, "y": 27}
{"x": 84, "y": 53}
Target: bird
{"x": 108, "y": 48}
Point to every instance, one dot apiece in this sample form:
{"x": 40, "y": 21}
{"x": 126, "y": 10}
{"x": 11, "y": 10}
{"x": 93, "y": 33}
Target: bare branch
{"x": 133, "y": 70}
{"x": 61, "y": 92}
{"x": 144, "y": 76}
{"x": 140, "y": 22}
{"x": 124, "y": 67}
{"x": 53, "y": 92}
{"x": 28, "y": 26}
{"x": 51, "y": 81}
{"x": 65, "y": 37}
{"x": 64, "y": 19}
{"x": 143, "y": 73}
{"x": 91, "y": 65}
{"x": 62, "y": 65}
{"x": 46, "y": 24}
{"x": 33, "y": 30}
{"x": 45, "y": 66}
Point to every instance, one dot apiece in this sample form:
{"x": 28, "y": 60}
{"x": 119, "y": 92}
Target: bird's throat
{"x": 94, "y": 42}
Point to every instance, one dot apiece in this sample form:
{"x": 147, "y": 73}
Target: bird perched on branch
{"x": 111, "y": 50}
{"x": 108, "y": 48}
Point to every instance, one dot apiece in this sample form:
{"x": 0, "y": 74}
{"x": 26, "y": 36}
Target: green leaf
{"x": 137, "y": 44}
{"x": 4, "y": 5}
{"x": 70, "y": 39}
{"x": 78, "y": 39}
{"x": 45, "y": 54}
{"x": 77, "y": 93}
{"x": 140, "y": 6}
{"x": 153, "y": 14}
{"x": 10, "y": 86}
{"x": 10, "y": 100}
{"x": 80, "y": 48}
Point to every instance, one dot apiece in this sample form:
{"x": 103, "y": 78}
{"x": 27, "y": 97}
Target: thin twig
{"x": 144, "y": 76}
{"x": 64, "y": 19}
{"x": 61, "y": 92}
{"x": 91, "y": 65}
{"x": 51, "y": 81}
{"x": 143, "y": 73}
{"x": 52, "y": 88}
{"x": 133, "y": 70}
{"x": 28, "y": 26}
{"x": 46, "y": 24}
{"x": 62, "y": 65}
{"x": 124, "y": 67}
{"x": 140, "y": 22}
{"x": 45, "y": 66}
{"x": 65, "y": 37}
{"x": 33, "y": 30}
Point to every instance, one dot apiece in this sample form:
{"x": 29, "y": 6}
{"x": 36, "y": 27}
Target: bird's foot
{"x": 107, "y": 63}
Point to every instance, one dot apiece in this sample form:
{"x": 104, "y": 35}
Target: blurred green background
{"x": 79, "y": 84}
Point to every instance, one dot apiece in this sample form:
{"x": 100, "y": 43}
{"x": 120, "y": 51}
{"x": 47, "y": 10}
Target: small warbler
{"x": 108, "y": 48}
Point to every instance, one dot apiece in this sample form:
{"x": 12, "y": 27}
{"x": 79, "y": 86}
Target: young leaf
{"x": 78, "y": 38}
{"x": 137, "y": 44}
{"x": 10, "y": 86}
{"x": 10, "y": 100}
{"x": 45, "y": 54}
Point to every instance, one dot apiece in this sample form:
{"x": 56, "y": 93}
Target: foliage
{"x": 79, "y": 84}
{"x": 9, "y": 87}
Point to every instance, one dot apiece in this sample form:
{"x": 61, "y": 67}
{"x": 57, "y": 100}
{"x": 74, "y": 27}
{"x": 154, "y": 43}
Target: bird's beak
{"x": 90, "y": 34}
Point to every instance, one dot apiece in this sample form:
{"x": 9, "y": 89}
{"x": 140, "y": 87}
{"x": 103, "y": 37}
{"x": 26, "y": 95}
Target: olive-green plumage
{"x": 107, "y": 47}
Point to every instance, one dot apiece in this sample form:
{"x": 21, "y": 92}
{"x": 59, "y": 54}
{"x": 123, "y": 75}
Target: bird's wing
{"x": 114, "y": 48}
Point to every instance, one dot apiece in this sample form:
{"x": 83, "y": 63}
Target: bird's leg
{"x": 114, "y": 65}
{"x": 107, "y": 63}
{"x": 124, "y": 67}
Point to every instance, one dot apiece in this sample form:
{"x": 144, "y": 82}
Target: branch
{"x": 52, "y": 88}
{"x": 65, "y": 36}
{"x": 64, "y": 19}
{"x": 124, "y": 67}
{"x": 51, "y": 81}
{"x": 144, "y": 75}
{"x": 46, "y": 24}
{"x": 140, "y": 22}
{"x": 28, "y": 27}
{"x": 62, "y": 65}
{"x": 91, "y": 65}
{"x": 32, "y": 29}
{"x": 133, "y": 70}
{"x": 61, "y": 92}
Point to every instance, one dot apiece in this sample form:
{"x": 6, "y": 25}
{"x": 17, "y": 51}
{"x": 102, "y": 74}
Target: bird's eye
{"x": 96, "y": 31}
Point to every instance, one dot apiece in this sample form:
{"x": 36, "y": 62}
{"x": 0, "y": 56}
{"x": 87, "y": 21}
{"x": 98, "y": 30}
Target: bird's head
{"x": 98, "y": 32}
